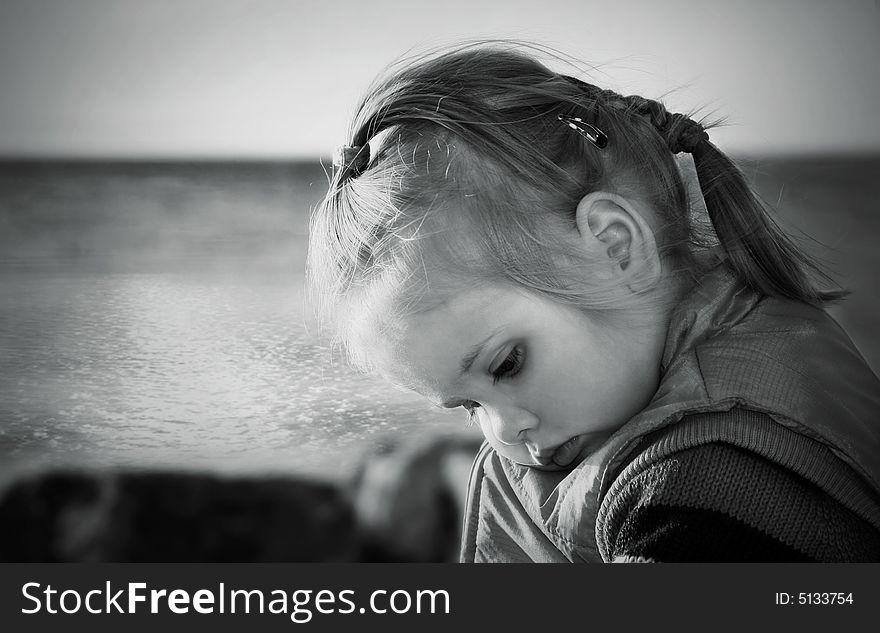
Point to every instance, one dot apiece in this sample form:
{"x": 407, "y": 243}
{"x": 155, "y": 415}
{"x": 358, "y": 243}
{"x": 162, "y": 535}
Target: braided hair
{"x": 758, "y": 250}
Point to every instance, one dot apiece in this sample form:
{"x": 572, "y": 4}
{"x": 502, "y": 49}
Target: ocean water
{"x": 153, "y": 314}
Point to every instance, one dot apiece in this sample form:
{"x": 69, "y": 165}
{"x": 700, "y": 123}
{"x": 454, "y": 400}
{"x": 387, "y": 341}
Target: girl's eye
{"x": 510, "y": 366}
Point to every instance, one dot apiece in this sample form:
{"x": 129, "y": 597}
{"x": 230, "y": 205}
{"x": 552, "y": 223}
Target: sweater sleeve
{"x": 720, "y": 503}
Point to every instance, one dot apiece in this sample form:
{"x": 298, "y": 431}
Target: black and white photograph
{"x": 465, "y": 282}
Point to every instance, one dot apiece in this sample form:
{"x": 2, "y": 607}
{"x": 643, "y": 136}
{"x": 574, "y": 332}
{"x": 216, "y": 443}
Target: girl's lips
{"x": 543, "y": 459}
{"x": 567, "y": 452}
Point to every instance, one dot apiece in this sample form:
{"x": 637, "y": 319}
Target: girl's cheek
{"x": 486, "y": 429}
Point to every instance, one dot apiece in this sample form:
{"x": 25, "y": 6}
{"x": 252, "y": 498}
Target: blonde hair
{"x": 472, "y": 176}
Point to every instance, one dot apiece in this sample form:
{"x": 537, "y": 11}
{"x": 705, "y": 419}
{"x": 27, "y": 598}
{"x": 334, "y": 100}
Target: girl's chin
{"x": 551, "y": 467}
{"x": 530, "y": 463}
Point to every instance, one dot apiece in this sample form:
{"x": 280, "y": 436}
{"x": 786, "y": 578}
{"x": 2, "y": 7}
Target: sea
{"x": 153, "y": 314}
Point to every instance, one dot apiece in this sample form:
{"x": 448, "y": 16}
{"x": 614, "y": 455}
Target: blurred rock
{"x": 138, "y": 517}
{"x": 409, "y": 498}
{"x": 404, "y": 505}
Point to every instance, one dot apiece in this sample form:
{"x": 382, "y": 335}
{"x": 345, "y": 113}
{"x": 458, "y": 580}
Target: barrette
{"x": 590, "y": 132}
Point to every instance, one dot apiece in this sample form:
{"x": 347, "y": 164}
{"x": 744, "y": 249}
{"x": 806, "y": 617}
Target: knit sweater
{"x": 718, "y": 502}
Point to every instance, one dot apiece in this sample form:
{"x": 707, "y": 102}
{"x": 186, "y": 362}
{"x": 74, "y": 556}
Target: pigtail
{"x": 759, "y": 251}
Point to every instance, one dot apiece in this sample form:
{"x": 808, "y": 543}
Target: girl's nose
{"x": 510, "y": 424}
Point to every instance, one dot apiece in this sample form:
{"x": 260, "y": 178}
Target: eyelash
{"x": 508, "y": 368}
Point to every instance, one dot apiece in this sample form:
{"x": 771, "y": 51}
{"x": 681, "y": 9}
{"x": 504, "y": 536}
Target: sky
{"x": 279, "y": 78}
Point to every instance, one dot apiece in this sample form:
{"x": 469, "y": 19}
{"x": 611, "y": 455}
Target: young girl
{"x": 656, "y": 380}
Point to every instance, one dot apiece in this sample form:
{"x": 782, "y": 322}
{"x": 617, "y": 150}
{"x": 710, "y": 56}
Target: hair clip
{"x": 590, "y": 132}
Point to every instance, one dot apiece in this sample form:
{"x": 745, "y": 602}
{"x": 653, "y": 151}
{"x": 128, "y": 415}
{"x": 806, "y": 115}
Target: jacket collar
{"x": 719, "y": 301}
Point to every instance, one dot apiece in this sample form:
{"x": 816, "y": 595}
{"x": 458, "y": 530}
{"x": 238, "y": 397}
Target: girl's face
{"x": 545, "y": 382}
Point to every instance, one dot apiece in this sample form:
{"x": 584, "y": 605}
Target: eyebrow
{"x": 467, "y": 361}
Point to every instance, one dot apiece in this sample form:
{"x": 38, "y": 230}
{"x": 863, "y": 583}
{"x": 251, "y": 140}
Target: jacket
{"x": 727, "y": 350}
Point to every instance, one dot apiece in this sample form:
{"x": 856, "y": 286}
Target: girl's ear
{"x": 614, "y": 230}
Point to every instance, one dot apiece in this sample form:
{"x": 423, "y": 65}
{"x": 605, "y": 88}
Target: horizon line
{"x": 327, "y": 161}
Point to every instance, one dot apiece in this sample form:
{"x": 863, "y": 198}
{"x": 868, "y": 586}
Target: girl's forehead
{"x": 438, "y": 316}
